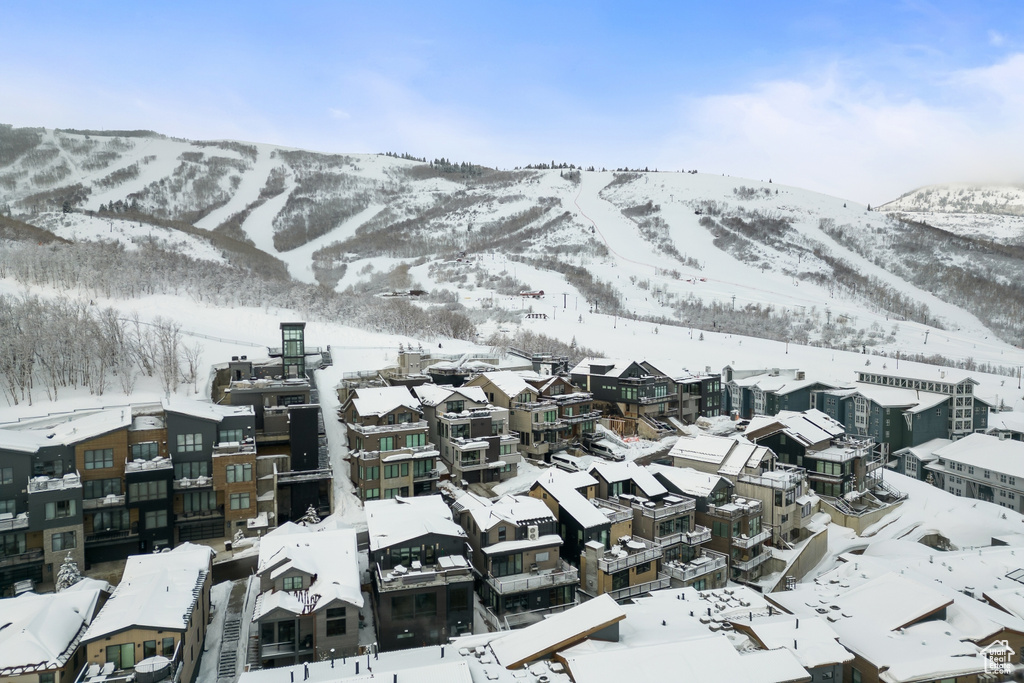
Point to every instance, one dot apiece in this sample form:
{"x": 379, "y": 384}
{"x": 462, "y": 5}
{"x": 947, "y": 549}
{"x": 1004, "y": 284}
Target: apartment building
{"x": 471, "y": 433}
{"x": 535, "y": 419}
{"x": 636, "y": 391}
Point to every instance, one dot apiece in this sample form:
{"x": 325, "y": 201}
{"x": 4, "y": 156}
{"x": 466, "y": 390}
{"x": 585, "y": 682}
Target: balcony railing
{"x": 426, "y": 476}
{"x": 14, "y": 523}
{"x": 110, "y": 535}
{"x": 68, "y": 481}
{"x": 113, "y": 500}
{"x": 663, "y": 581}
{"x": 199, "y": 515}
{"x": 654, "y": 511}
{"x": 186, "y": 483}
{"x": 756, "y": 561}
{"x": 700, "y": 534}
{"x": 427, "y": 450}
{"x": 297, "y": 476}
{"x": 751, "y": 541}
{"x": 708, "y": 562}
{"x": 561, "y": 575}
{"x": 735, "y": 510}
{"x": 616, "y": 512}
{"x": 610, "y": 564}
{"x": 520, "y": 619}
{"x": 30, "y": 555}
{"x": 410, "y": 427}
{"x": 432, "y": 575}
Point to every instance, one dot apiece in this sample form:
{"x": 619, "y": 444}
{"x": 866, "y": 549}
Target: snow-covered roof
{"x": 712, "y": 659}
{"x": 986, "y": 452}
{"x": 39, "y": 632}
{"x": 435, "y": 394}
{"x": 23, "y": 440}
{"x": 31, "y": 435}
{"x": 616, "y": 366}
{"x": 621, "y": 471}
{"x": 382, "y": 400}
{"x": 1012, "y": 421}
{"x": 396, "y": 520}
{"x": 515, "y": 510}
{"x": 509, "y": 383}
{"x": 731, "y": 455}
{"x": 810, "y": 426}
{"x": 816, "y": 643}
{"x": 925, "y": 452}
{"x": 895, "y": 397}
{"x": 558, "y": 631}
{"x": 157, "y": 591}
{"x": 523, "y": 544}
{"x": 204, "y": 410}
{"x": 928, "y": 373}
{"x": 575, "y": 504}
{"x": 328, "y": 554}
{"x": 687, "y": 480}
{"x": 924, "y": 652}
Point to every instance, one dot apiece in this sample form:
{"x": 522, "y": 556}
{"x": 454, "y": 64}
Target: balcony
{"x": 708, "y": 562}
{"x": 425, "y": 451}
{"x": 185, "y": 483}
{"x": 656, "y": 512}
{"x": 198, "y": 515}
{"x": 29, "y": 556}
{"x": 582, "y": 417}
{"x": 561, "y": 575}
{"x": 429, "y": 475}
{"x": 700, "y": 534}
{"x": 738, "y": 508}
{"x": 513, "y": 620}
{"x": 782, "y": 478}
{"x": 299, "y": 476}
{"x": 271, "y": 650}
{"x": 448, "y": 569}
{"x": 631, "y": 553}
{"x": 68, "y": 481}
{"x": 752, "y": 563}
{"x": 110, "y": 535}
{"x": 111, "y": 501}
{"x": 133, "y": 466}
{"x": 663, "y": 581}
{"x": 747, "y": 542}
{"x": 616, "y": 512}
{"x": 9, "y": 522}
{"x": 404, "y": 427}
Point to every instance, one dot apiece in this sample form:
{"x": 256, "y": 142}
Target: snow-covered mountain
{"x": 702, "y": 251}
{"x": 983, "y": 211}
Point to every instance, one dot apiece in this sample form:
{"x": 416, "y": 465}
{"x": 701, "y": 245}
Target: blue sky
{"x": 860, "y": 99}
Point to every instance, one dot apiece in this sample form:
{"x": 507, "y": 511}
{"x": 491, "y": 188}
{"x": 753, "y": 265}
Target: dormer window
{"x": 292, "y": 583}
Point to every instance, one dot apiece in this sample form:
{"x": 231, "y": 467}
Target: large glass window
{"x": 421, "y": 468}
{"x": 99, "y": 459}
{"x": 397, "y": 470}
{"x": 230, "y": 435}
{"x": 387, "y": 443}
{"x": 60, "y": 508}
{"x": 6, "y": 475}
{"x": 101, "y": 488}
{"x": 507, "y": 565}
{"x": 147, "y": 490}
{"x": 110, "y": 520}
{"x": 199, "y": 501}
{"x": 191, "y": 470}
{"x": 63, "y": 541}
{"x": 190, "y": 443}
{"x": 156, "y": 519}
{"x": 12, "y": 544}
{"x": 7, "y": 506}
{"x": 336, "y": 621}
{"x": 239, "y": 501}
{"x": 415, "y": 440}
{"x": 239, "y": 472}
{"x": 123, "y": 656}
{"x": 145, "y": 451}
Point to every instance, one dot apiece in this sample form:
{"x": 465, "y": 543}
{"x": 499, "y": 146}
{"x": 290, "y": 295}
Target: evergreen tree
{"x": 310, "y": 518}
{"x": 68, "y": 574}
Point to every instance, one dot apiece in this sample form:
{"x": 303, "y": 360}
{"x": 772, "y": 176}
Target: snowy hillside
{"x": 987, "y": 211}
{"x": 711, "y": 253}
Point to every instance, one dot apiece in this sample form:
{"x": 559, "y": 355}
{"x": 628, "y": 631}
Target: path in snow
{"x": 253, "y": 180}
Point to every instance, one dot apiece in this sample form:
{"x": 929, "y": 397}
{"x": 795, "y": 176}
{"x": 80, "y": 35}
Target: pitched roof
{"x": 435, "y": 394}
{"x": 562, "y": 488}
{"x": 621, "y": 471}
{"x": 204, "y": 410}
{"x": 731, "y": 455}
{"x": 986, "y": 452}
{"x": 511, "y": 509}
{"x": 156, "y": 591}
{"x": 382, "y": 400}
{"x": 508, "y": 383}
{"x": 329, "y": 555}
{"x": 687, "y": 480}
{"x": 39, "y": 632}
{"x": 400, "y": 519}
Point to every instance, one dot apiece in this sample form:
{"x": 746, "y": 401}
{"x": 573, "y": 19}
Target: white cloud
{"x": 858, "y": 140}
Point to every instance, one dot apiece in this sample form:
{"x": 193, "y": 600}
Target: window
{"x": 237, "y": 473}
{"x": 6, "y": 475}
{"x": 458, "y": 600}
{"x": 123, "y": 656}
{"x": 369, "y": 473}
{"x": 7, "y": 506}
{"x": 12, "y": 544}
{"x": 502, "y": 531}
{"x": 395, "y": 492}
{"x": 415, "y": 440}
{"x": 412, "y": 606}
{"x": 156, "y": 519}
{"x": 387, "y": 443}
{"x": 147, "y": 490}
{"x": 167, "y": 647}
{"x": 292, "y": 583}
{"x": 145, "y": 451}
{"x": 497, "y": 427}
{"x": 227, "y": 435}
{"x": 191, "y": 470}
{"x": 720, "y": 529}
{"x": 148, "y": 649}
{"x": 198, "y": 501}
{"x": 60, "y": 508}
{"x": 336, "y": 621}
{"x": 855, "y": 676}
{"x": 99, "y": 459}
{"x": 422, "y": 468}
{"x": 46, "y": 677}
{"x": 190, "y": 443}
{"x": 397, "y": 470}
{"x": 101, "y": 488}
{"x": 110, "y": 520}
{"x": 620, "y": 580}
{"x": 507, "y": 565}
{"x": 454, "y": 406}
{"x": 550, "y": 415}
{"x": 63, "y": 541}
{"x": 372, "y": 494}
{"x": 507, "y": 448}
{"x": 239, "y": 501}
